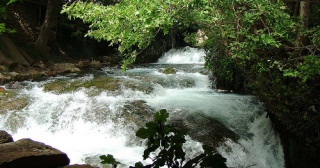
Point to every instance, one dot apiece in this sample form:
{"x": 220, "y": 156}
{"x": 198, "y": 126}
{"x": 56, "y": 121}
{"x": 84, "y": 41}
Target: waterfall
{"x": 91, "y": 121}
{"x": 186, "y": 55}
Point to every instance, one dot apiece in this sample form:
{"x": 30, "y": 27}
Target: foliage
{"x": 129, "y": 23}
{"x": 169, "y": 141}
{"x": 278, "y": 57}
{"x": 257, "y": 45}
{"x": 3, "y": 14}
{"x": 109, "y": 160}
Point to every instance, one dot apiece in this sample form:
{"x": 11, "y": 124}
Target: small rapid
{"x": 99, "y": 112}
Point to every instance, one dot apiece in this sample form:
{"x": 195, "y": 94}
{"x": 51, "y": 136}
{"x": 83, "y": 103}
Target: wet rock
{"x": 14, "y": 85}
{"x": 13, "y": 74}
{"x": 26, "y": 153}
{"x": 39, "y": 64}
{"x": 51, "y": 73}
{"x": 83, "y": 64}
{"x": 63, "y": 67}
{"x": 203, "y": 128}
{"x": 138, "y": 112}
{"x": 169, "y": 70}
{"x": 95, "y": 64}
{"x": 4, "y": 78}
{"x": 11, "y": 102}
{"x": 5, "y": 137}
{"x": 2, "y": 68}
{"x": 93, "y": 160}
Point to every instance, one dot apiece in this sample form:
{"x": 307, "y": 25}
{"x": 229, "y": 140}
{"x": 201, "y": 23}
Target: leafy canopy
{"x": 130, "y": 24}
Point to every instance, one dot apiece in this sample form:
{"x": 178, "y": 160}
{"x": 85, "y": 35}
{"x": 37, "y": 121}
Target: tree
{"x": 48, "y": 29}
{"x": 131, "y": 24}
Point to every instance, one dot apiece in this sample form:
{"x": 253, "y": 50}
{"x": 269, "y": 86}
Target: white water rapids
{"x": 88, "y": 122}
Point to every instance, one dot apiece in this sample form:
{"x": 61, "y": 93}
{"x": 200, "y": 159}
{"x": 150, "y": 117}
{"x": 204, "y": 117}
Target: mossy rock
{"x": 102, "y": 83}
{"x": 169, "y": 70}
{"x": 69, "y": 85}
{"x": 213, "y": 132}
{"x": 10, "y": 101}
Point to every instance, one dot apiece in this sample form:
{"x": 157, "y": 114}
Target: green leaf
{"x": 145, "y": 133}
{"x": 109, "y": 160}
{"x": 162, "y": 116}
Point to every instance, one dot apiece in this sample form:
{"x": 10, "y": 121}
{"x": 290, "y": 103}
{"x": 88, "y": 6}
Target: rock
{"x": 39, "y": 64}
{"x": 51, "y": 73}
{"x": 95, "y": 64}
{"x": 63, "y": 67}
{"x": 94, "y": 161}
{"x": 26, "y": 153}
{"x": 5, "y": 137}
{"x": 213, "y": 132}
{"x": 13, "y": 74}
{"x": 83, "y": 64}
{"x": 14, "y": 85}
{"x": 169, "y": 70}
{"x": 4, "y": 78}
{"x": 2, "y": 68}
{"x": 15, "y": 67}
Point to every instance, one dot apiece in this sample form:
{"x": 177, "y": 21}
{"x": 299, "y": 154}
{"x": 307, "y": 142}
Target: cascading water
{"x": 101, "y": 114}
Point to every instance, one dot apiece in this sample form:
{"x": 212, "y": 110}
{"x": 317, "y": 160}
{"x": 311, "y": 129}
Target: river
{"x": 94, "y": 113}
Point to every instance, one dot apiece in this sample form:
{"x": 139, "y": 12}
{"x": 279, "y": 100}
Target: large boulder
{"x": 4, "y": 136}
{"x": 26, "y": 153}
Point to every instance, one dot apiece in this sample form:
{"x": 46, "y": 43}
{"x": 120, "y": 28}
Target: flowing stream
{"x": 94, "y": 113}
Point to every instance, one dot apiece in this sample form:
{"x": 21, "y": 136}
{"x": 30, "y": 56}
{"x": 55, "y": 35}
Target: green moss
{"x": 102, "y": 83}
{"x": 169, "y": 70}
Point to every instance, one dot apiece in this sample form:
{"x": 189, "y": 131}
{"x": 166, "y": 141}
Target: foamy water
{"x": 86, "y": 125}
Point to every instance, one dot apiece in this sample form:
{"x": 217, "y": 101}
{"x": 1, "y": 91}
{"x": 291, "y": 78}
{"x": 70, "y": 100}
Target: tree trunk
{"x": 304, "y": 12}
{"x": 304, "y": 15}
{"x": 48, "y": 29}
